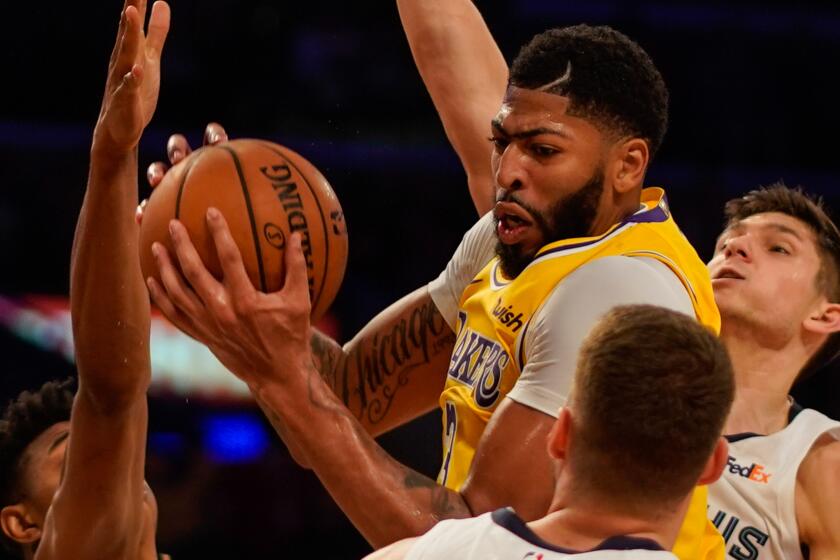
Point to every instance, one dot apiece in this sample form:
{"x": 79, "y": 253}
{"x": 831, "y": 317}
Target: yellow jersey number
{"x": 451, "y": 422}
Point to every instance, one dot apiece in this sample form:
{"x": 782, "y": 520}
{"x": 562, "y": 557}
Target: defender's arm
{"x": 466, "y": 75}
{"x": 98, "y": 509}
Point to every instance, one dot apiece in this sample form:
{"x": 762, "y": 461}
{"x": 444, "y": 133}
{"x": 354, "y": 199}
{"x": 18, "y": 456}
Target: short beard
{"x": 568, "y": 218}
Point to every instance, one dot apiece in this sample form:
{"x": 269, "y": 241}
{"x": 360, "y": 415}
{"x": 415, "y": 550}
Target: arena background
{"x": 753, "y": 101}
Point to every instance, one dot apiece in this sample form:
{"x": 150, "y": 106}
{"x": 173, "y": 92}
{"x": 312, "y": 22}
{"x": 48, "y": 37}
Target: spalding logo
{"x": 274, "y": 235}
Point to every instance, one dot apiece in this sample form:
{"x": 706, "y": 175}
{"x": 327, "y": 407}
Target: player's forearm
{"x": 103, "y": 483}
{"x": 384, "y": 499}
{"x": 109, "y": 302}
{"x": 466, "y": 76}
{"x": 393, "y": 370}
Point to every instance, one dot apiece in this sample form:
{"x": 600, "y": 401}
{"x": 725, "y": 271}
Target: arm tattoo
{"x": 327, "y": 355}
{"x": 443, "y": 502}
{"x": 367, "y": 378}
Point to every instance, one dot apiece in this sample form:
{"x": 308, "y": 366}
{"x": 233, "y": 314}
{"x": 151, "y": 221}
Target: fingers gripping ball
{"x": 265, "y": 192}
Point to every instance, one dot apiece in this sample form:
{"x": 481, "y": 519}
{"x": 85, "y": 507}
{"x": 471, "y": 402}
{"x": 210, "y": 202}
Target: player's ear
{"x": 629, "y": 164}
{"x": 824, "y": 319}
{"x": 716, "y": 463}
{"x": 558, "y": 437}
{"x": 18, "y": 525}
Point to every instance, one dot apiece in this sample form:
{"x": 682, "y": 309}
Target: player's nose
{"x": 510, "y": 168}
{"x": 739, "y": 246}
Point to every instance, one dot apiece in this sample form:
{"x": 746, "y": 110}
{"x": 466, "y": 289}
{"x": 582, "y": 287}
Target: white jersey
{"x": 503, "y": 535}
{"x": 752, "y": 505}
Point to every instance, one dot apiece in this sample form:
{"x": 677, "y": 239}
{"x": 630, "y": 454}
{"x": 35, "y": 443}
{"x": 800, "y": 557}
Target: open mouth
{"x": 513, "y": 222}
{"x": 727, "y": 272}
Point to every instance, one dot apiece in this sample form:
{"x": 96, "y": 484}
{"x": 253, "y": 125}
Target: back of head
{"x": 811, "y": 211}
{"x": 23, "y": 420}
{"x": 608, "y": 78}
{"x": 652, "y": 391}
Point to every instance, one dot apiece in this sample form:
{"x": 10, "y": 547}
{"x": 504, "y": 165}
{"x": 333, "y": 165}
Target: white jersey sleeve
{"x": 559, "y": 327}
{"x": 476, "y": 249}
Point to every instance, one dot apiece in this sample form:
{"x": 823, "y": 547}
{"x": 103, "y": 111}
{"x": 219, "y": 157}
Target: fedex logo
{"x": 754, "y": 472}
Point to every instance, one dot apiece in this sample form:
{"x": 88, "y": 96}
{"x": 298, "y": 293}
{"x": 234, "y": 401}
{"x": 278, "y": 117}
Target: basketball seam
{"x": 197, "y": 157}
{"x": 251, "y": 218}
{"x": 323, "y": 222}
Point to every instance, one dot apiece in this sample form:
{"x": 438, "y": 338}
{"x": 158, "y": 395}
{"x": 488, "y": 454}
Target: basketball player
{"x": 773, "y": 327}
{"x": 776, "y": 276}
{"x": 72, "y": 480}
{"x": 574, "y": 236}
{"x": 618, "y": 482}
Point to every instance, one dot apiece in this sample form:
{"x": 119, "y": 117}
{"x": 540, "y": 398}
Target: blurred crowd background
{"x": 753, "y": 101}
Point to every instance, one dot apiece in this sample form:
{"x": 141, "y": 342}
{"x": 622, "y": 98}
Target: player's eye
{"x": 779, "y": 249}
{"x": 542, "y": 150}
{"x": 499, "y": 143}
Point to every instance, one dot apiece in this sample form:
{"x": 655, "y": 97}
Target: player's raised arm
{"x": 99, "y": 510}
{"x": 466, "y": 75}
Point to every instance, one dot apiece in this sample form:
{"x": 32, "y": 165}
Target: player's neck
{"x": 764, "y": 374}
{"x": 624, "y": 206}
{"x": 581, "y": 523}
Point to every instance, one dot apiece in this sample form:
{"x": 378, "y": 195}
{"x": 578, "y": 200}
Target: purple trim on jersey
{"x": 495, "y": 283}
{"x": 521, "y": 353}
{"x": 581, "y": 244}
{"x": 795, "y": 409}
{"x": 507, "y": 519}
{"x": 734, "y": 438}
{"x": 653, "y": 215}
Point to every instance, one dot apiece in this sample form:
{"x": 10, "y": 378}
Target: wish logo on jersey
{"x": 753, "y": 472}
{"x": 478, "y": 362}
{"x": 506, "y": 316}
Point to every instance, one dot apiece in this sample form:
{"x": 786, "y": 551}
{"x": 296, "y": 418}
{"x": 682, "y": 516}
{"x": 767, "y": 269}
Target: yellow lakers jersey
{"x": 494, "y": 315}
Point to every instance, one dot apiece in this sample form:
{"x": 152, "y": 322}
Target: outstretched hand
{"x": 259, "y": 337}
{"x": 133, "y": 83}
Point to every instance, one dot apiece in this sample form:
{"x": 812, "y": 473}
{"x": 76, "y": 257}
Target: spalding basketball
{"x": 265, "y": 192}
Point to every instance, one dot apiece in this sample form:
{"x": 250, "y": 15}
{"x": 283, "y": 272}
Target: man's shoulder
{"x": 818, "y": 492}
{"x": 620, "y": 280}
{"x": 822, "y": 462}
{"x": 641, "y": 265}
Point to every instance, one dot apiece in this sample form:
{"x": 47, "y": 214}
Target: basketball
{"x": 266, "y": 192}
